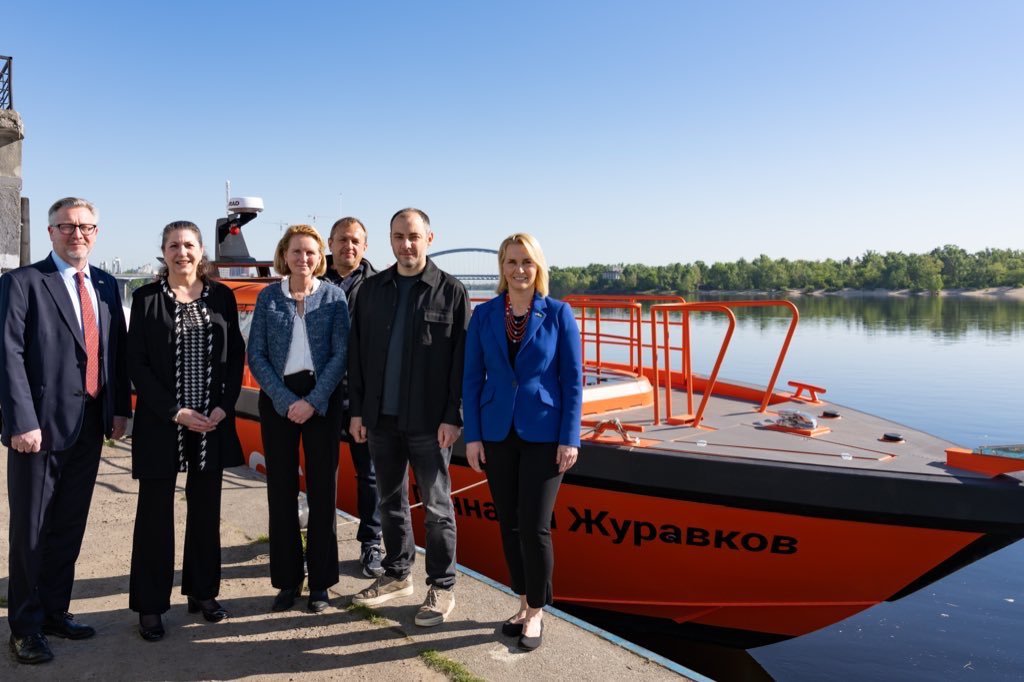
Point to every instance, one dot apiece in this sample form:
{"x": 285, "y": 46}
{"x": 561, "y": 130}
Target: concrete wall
{"x": 12, "y": 132}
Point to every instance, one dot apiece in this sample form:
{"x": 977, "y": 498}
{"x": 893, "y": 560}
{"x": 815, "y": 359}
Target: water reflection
{"x": 949, "y": 317}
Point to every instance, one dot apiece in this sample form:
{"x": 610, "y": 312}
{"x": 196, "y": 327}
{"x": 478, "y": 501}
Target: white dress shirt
{"x": 68, "y": 274}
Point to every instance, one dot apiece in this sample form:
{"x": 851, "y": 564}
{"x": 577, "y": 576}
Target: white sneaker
{"x": 436, "y": 607}
{"x": 383, "y": 589}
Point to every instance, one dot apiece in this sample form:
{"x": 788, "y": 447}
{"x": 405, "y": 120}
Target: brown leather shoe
{"x": 31, "y": 648}
{"x": 64, "y": 625}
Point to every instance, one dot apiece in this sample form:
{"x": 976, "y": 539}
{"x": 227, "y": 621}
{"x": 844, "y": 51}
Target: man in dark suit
{"x": 63, "y": 386}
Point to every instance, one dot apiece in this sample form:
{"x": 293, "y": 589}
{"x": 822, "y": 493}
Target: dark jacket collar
{"x": 364, "y": 269}
{"x": 431, "y": 274}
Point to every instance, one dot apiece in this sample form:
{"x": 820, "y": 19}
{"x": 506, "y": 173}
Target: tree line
{"x": 948, "y": 267}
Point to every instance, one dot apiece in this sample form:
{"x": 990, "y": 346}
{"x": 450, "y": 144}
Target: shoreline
{"x": 1003, "y": 293}
{"x": 998, "y": 293}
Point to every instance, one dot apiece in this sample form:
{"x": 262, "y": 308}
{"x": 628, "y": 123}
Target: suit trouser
{"x": 394, "y": 451}
{"x": 152, "y": 575}
{"x": 524, "y": 480}
{"x": 49, "y": 494}
{"x": 319, "y": 436}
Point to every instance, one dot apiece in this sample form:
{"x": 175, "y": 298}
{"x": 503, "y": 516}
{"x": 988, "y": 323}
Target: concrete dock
{"x": 255, "y": 643}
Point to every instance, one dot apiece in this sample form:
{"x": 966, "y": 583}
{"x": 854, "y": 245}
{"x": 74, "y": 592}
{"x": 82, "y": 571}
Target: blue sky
{"x": 651, "y": 132}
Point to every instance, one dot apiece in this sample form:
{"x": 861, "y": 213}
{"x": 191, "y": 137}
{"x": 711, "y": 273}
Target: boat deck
{"x": 733, "y": 428}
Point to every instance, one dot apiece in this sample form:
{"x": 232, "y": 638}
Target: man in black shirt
{"x": 405, "y": 388}
{"x": 347, "y": 244}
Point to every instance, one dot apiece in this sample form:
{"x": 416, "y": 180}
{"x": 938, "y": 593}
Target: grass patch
{"x": 3, "y": 602}
{"x": 369, "y": 614}
{"x": 260, "y": 539}
{"x": 454, "y": 670}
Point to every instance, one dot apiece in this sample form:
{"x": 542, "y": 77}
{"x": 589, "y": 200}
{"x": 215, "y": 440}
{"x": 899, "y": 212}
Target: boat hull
{"x": 669, "y": 556}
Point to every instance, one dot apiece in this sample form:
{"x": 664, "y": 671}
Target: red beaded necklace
{"x": 515, "y": 327}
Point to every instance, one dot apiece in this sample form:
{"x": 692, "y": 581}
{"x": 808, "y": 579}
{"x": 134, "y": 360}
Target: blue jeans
{"x": 393, "y": 452}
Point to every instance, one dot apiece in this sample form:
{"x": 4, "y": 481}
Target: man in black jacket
{"x": 348, "y": 244}
{"x": 405, "y": 392}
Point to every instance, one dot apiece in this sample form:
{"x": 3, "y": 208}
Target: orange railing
{"x": 684, "y": 348}
{"x": 592, "y": 309}
{"x": 793, "y": 320}
{"x": 591, "y": 334}
{"x": 684, "y": 309}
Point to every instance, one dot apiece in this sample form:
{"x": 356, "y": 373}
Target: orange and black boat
{"x": 701, "y": 507}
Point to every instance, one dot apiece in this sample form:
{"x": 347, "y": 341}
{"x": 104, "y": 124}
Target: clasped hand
{"x": 198, "y": 422}
{"x": 300, "y": 411}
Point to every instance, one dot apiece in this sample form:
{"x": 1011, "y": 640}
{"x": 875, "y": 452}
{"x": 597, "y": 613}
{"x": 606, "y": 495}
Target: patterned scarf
{"x": 193, "y": 366}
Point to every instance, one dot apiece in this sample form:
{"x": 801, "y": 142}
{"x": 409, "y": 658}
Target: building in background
{"x": 13, "y": 209}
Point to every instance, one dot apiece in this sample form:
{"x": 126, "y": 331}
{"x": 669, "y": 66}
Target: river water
{"x": 953, "y": 367}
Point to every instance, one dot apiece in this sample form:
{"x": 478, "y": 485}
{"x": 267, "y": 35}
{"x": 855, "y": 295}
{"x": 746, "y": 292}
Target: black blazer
{"x": 151, "y": 365}
{"x": 42, "y": 355}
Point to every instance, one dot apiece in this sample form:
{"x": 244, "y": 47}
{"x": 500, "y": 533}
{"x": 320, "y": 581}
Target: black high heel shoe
{"x": 151, "y": 627}
{"x": 212, "y": 611}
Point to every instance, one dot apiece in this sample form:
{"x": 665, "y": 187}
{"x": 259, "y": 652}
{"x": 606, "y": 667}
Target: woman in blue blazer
{"x": 297, "y": 349}
{"x": 522, "y": 398}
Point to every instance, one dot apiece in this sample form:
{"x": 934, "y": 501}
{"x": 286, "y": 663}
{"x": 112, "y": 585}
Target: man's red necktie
{"x": 92, "y": 339}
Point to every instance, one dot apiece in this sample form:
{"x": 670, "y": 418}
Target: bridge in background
{"x": 477, "y": 268}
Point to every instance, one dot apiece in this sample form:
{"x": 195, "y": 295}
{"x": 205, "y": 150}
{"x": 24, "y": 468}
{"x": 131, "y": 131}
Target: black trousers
{"x": 524, "y": 480}
{"x": 152, "y": 574}
{"x": 367, "y": 499}
{"x": 320, "y": 441}
{"x": 49, "y": 494}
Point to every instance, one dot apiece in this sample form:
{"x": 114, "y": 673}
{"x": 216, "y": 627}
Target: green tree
{"x": 957, "y": 266}
{"x": 924, "y": 272}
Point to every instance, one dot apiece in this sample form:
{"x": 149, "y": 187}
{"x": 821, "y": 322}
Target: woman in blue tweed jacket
{"x": 297, "y": 353}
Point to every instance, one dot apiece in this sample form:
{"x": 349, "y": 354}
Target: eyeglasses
{"x": 69, "y": 228}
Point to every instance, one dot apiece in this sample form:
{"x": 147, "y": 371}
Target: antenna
{"x": 227, "y": 195}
